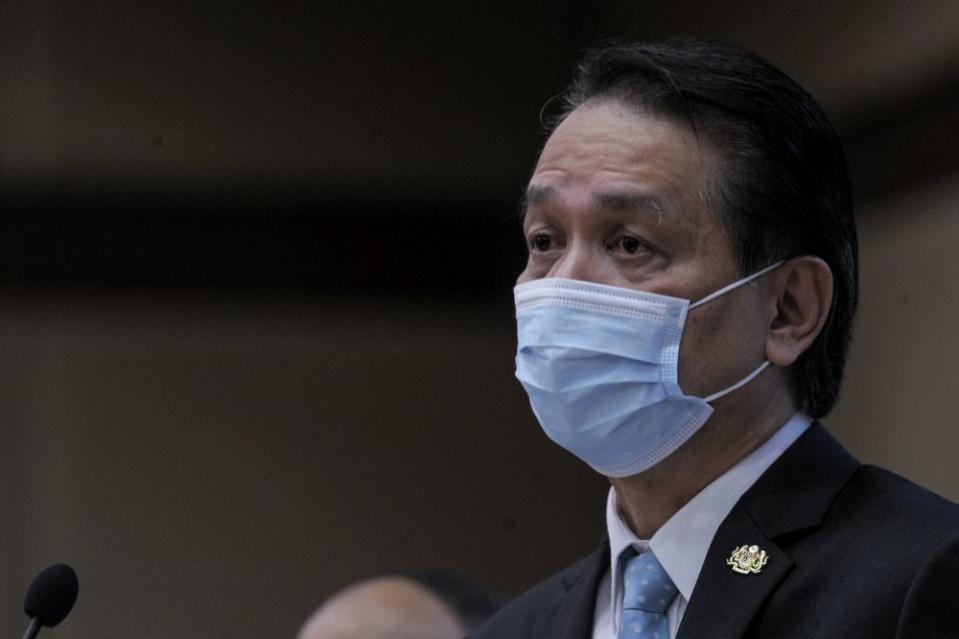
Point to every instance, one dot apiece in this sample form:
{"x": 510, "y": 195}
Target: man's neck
{"x": 646, "y": 501}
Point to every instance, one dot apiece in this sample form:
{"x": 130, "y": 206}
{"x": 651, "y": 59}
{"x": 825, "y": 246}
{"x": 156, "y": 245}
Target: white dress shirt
{"x": 683, "y": 541}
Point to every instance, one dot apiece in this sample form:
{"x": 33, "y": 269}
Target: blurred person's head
{"x": 403, "y": 606}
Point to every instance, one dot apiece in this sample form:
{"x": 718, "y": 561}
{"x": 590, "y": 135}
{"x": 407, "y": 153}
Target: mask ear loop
{"x": 723, "y": 291}
{"x": 736, "y": 284}
{"x": 738, "y": 384}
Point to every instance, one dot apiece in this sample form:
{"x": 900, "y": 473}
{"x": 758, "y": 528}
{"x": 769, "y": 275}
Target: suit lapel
{"x": 793, "y": 495}
{"x": 724, "y": 602}
{"x": 572, "y": 615}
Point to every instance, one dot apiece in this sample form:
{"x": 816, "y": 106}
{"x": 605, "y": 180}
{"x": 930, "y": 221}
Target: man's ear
{"x": 803, "y": 297}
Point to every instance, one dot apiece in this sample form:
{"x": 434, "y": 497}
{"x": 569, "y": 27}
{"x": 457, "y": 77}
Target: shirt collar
{"x": 683, "y": 541}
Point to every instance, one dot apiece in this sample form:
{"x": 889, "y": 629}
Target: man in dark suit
{"x": 683, "y": 321}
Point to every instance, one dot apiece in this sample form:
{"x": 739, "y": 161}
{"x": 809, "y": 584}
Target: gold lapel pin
{"x": 747, "y": 559}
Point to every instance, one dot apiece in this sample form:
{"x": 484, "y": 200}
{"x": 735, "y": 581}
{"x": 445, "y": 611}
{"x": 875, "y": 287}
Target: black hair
{"x": 782, "y": 188}
{"x": 472, "y": 603}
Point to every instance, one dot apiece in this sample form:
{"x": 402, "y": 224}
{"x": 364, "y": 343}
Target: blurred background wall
{"x": 256, "y": 259}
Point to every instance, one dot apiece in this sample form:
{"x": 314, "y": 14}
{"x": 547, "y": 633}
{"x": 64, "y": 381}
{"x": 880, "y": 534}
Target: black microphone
{"x": 50, "y": 597}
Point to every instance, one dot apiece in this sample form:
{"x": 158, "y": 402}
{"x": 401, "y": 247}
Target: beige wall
{"x": 216, "y": 469}
{"x": 901, "y": 398}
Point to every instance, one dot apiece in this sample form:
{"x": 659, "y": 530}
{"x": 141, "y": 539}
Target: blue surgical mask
{"x": 600, "y": 366}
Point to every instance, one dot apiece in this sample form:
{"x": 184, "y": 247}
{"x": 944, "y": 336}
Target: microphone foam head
{"x": 52, "y": 594}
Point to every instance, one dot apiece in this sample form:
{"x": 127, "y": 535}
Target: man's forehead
{"x": 609, "y": 131}
{"x": 603, "y": 197}
{"x": 604, "y": 156}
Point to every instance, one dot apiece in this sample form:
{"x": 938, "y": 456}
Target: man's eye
{"x": 541, "y": 242}
{"x": 630, "y": 245}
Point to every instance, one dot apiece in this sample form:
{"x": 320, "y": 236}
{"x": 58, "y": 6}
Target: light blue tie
{"x": 647, "y": 593}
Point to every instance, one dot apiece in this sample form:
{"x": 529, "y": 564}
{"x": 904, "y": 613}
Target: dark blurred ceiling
{"x": 295, "y": 145}
{"x": 383, "y": 99}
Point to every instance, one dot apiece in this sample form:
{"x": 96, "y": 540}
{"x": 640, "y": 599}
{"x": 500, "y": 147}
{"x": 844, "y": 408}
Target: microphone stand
{"x": 33, "y": 628}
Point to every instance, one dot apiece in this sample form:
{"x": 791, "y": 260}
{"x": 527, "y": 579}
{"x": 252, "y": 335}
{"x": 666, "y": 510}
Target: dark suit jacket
{"x": 854, "y": 551}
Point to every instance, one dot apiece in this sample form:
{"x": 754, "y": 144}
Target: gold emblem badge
{"x": 747, "y": 559}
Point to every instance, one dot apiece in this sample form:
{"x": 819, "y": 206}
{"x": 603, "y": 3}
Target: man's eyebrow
{"x": 621, "y": 201}
{"x": 611, "y": 200}
{"x": 536, "y": 194}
